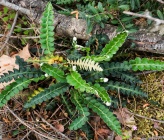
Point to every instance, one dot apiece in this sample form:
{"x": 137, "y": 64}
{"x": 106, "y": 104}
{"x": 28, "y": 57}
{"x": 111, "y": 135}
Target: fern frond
{"x": 111, "y": 48}
{"x": 69, "y": 107}
{"x": 146, "y": 64}
{"x": 83, "y": 112}
{"x": 47, "y": 28}
{"x": 55, "y": 72}
{"x": 23, "y": 72}
{"x": 86, "y": 64}
{"x": 127, "y": 77}
{"x": 51, "y": 92}
{"x": 115, "y": 66}
{"x": 75, "y": 79}
{"x": 104, "y": 113}
{"x": 20, "y": 62}
{"x": 15, "y": 87}
{"x": 102, "y": 93}
{"x": 126, "y": 89}
{"x": 35, "y": 92}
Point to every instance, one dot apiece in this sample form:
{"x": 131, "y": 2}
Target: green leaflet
{"x": 75, "y": 79}
{"x": 104, "y": 113}
{"x": 57, "y": 73}
{"x": 125, "y": 89}
{"x": 47, "y": 30}
{"x": 51, "y": 92}
{"x": 83, "y": 112}
{"x": 146, "y": 64}
{"x": 15, "y": 87}
{"x": 102, "y": 93}
{"x": 111, "y": 48}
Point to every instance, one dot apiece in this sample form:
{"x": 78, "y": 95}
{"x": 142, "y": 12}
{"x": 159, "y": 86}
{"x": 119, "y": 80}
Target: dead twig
{"x": 59, "y": 133}
{"x": 160, "y": 121}
{"x": 22, "y": 36}
{"x": 146, "y": 15}
{"x": 161, "y": 1}
{"x": 26, "y": 135}
{"x": 11, "y": 30}
{"x": 29, "y": 126}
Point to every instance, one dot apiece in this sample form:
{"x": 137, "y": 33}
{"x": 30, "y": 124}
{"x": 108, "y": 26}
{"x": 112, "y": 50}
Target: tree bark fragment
{"x": 70, "y": 27}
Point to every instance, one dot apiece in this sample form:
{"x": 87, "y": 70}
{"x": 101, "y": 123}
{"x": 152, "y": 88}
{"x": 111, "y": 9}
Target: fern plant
{"x": 87, "y": 80}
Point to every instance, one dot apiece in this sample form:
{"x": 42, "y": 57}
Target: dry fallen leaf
{"x": 59, "y": 127}
{"x": 8, "y": 63}
{"x": 125, "y": 118}
{"x": 118, "y": 138}
{"x": 103, "y": 131}
{"x": 25, "y": 54}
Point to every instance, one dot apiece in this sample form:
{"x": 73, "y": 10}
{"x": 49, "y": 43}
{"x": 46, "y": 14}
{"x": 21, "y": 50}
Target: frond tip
{"x": 86, "y": 64}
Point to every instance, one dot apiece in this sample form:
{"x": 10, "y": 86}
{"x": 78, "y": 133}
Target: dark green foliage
{"x": 83, "y": 111}
{"x": 15, "y": 87}
{"x": 88, "y": 131}
{"x": 127, "y": 77}
{"x": 104, "y": 113}
{"x": 21, "y": 63}
{"x": 15, "y": 74}
{"x": 51, "y": 106}
{"x": 66, "y": 102}
{"x": 51, "y": 92}
{"x": 126, "y": 89}
{"x": 55, "y": 72}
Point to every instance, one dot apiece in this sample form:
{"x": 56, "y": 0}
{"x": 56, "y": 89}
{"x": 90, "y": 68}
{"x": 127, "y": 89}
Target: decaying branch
{"x": 70, "y": 27}
{"x": 146, "y": 15}
{"x": 161, "y": 1}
